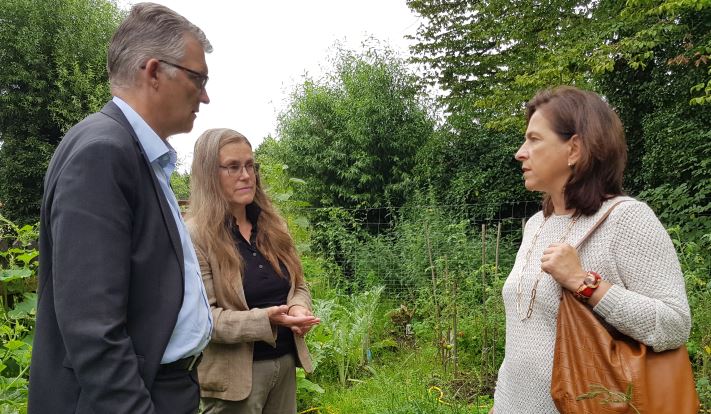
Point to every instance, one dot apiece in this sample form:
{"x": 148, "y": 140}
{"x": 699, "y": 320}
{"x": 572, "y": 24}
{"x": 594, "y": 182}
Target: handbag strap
{"x": 598, "y": 223}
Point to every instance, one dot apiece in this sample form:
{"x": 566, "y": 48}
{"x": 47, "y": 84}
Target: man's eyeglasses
{"x": 201, "y": 80}
{"x": 236, "y": 169}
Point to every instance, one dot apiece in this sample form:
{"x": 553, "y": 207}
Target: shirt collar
{"x": 156, "y": 149}
{"x": 253, "y": 211}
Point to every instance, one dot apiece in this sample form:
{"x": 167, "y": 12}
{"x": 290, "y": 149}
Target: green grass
{"x": 408, "y": 382}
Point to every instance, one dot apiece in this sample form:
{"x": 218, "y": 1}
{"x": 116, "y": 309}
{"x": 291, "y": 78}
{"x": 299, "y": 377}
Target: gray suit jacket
{"x": 110, "y": 277}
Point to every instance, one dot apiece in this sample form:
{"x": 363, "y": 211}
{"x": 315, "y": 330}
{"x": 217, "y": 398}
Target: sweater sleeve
{"x": 650, "y": 304}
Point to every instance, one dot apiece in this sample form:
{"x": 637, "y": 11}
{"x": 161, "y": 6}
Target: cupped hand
{"x": 276, "y": 313}
{"x": 304, "y": 328}
{"x": 298, "y": 321}
{"x": 561, "y": 261}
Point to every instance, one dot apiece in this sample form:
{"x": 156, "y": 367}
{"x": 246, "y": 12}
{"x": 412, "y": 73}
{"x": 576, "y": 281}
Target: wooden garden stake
{"x": 434, "y": 296}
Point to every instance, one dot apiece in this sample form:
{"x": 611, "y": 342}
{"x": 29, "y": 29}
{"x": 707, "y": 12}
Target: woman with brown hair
{"x": 574, "y": 152}
{"x": 260, "y": 304}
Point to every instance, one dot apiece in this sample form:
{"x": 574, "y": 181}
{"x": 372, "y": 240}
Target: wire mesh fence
{"x": 442, "y": 268}
{"x": 405, "y": 248}
{"x": 401, "y": 247}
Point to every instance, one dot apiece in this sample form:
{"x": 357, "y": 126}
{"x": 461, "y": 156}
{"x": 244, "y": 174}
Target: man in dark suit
{"x": 122, "y": 314}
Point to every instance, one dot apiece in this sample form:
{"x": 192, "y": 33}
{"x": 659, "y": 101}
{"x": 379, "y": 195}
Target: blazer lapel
{"x": 113, "y": 111}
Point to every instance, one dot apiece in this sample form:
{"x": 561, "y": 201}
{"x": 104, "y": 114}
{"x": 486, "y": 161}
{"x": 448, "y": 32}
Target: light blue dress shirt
{"x": 194, "y": 326}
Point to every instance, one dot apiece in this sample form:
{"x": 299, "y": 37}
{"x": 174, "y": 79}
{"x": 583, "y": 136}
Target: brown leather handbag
{"x": 599, "y": 370}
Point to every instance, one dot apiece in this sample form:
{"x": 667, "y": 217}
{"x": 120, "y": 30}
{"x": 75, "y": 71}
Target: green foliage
{"x": 305, "y": 388}
{"x": 336, "y": 235}
{"x": 180, "y": 183}
{"x": 649, "y": 58}
{"x": 18, "y": 262}
{"x": 686, "y": 203}
{"x": 472, "y": 165}
{"x": 353, "y": 136}
{"x": 341, "y": 343}
{"x": 18, "y": 304}
{"x": 672, "y": 31}
{"x": 403, "y": 383}
{"x": 492, "y": 56}
{"x": 53, "y": 54}
{"x": 667, "y": 137}
{"x": 16, "y": 336}
{"x": 695, "y": 259}
{"x": 688, "y": 208}
{"x": 23, "y": 163}
{"x": 283, "y": 191}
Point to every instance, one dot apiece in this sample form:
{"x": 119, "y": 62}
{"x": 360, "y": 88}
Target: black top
{"x": 263, "y": 287}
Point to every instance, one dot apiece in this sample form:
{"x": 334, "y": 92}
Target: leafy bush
{"x": 696, "y": 264}
{"x": 18, "y": 304}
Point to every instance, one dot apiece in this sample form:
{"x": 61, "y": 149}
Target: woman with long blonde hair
{"x": 260, "y": 304}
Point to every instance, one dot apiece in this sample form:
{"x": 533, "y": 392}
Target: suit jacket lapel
{"x": 113, "y": 111}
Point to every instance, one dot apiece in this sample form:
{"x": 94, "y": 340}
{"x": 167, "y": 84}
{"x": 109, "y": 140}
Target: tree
{"x": 353, "y": 136}
{"x": 650, "y": 59}
{"x": 53, "y": 55}
{"x": 475, "y": 167}
{"x": 491, "y": 57}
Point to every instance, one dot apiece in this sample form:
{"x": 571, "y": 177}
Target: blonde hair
{"x": 209, "y": 213}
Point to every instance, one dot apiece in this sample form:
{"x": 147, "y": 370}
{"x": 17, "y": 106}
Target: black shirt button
{"x": 254, "y": 253}
{"x": 260, "y": 266}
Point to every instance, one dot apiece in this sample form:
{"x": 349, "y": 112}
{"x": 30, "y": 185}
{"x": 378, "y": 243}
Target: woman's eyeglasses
{"x": 235, "y": 170}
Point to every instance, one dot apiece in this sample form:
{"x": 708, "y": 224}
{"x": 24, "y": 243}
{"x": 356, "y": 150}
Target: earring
{"x": 570, "y": 164}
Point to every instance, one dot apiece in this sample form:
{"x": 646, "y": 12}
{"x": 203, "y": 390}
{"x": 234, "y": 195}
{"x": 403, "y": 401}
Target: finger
{"x": 549, "y": 250}
{"x": 301, "y": 319}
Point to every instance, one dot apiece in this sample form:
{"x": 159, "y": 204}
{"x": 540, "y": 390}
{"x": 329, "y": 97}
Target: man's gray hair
{"x": 149, "y": 31}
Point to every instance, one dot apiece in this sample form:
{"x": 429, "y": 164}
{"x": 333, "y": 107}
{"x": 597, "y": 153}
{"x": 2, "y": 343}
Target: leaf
{"x": 27, "y": 257}
{"x": 25, "y": 308}
{"x": 8, "y": 275}
{"x": 302, "y": 222}
{"x": 14, "y": 345}
{"x": 306, "y": 385}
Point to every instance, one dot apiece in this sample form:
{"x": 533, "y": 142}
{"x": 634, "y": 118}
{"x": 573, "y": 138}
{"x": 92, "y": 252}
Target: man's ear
{"x": 150, "y": 72}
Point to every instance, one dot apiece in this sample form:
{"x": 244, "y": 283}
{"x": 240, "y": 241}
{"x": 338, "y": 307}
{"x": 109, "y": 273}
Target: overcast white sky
{"x": 262, "y": 48}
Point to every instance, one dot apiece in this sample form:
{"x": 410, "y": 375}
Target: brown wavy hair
{"x": 209, "y": 213}
{"x": 597, "y": 175}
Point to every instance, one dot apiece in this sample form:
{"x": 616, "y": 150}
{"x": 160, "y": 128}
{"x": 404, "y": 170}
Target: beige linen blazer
{"x": 226, "y": 368}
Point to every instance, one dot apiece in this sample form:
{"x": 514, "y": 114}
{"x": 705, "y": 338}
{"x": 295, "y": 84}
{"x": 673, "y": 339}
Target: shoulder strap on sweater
{"x": 598, "y": 223}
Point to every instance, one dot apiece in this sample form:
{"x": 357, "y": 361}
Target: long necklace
{"x": 519, "y": 287}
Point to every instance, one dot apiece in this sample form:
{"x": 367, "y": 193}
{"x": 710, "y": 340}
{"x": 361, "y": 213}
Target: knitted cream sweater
{"x": 647, "y": 300}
